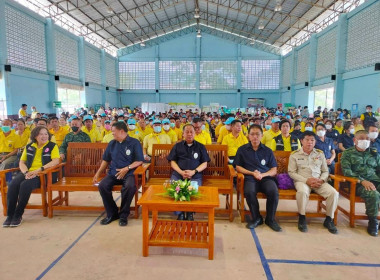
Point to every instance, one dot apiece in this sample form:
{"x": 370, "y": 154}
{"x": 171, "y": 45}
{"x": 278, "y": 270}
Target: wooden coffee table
{"x": 173, "y": 233}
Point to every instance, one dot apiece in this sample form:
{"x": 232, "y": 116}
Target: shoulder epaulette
{"x": 319, "y": 151}
{"x": 295, "y": 151}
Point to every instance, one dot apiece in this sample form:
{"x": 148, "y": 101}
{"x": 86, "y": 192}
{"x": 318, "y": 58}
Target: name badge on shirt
{"x": 263, "y": 162}
{"x": 128, "y": 152}
{"x": 195, "y": 155}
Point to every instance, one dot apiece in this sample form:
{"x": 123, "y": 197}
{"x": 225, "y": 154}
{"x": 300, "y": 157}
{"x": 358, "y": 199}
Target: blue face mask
{"x": 6, "y": 129}
{"x": 267, "y": 127}
{"x": 157, "y": 129}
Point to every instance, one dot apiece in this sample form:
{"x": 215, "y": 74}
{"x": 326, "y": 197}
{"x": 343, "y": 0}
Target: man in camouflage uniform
{"x": 75, "y": 136}
{"x": 308, "y": 168}
{"x": 363, "y": 163}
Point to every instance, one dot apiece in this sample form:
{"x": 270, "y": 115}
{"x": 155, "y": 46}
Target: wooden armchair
{"x": 347, "y": 189}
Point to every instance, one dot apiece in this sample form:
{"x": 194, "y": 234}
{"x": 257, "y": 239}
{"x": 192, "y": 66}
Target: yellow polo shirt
{"x": 24, "y": 138}
{"x": 37, "y": 162}
{"x": 59, "y": 135}
{"x": 234, "y": 143}
{"x": 268, "y": 137}
{"x": 154, "y": 138}
{"x": 94, "y": 134}
{"x": 217, "y": 129}
{"x": 287, "y": 146}
{"x": 171, "y": 133}
{"x": 245, "y": 130}
{"x": 148, "y": 130}
{"x": 203, "y": 138}
{"x": 22, "y": 112}
{"x": 222, "y": 132}
{"x": 107, "y": 138}
{"x": 179, "y": 133}
{"x": 9, "y": 143}
{"x": 136, "y": 134}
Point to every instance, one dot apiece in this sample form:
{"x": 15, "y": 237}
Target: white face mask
{"x": 368, "y": 110}
{"x": 328, "y": 126}
{"x": 251, "y": 123}
{"x": 166, "y": 127}
{"x": 309, "y": 128}
{"x": 228, "y": 127}
{"x": 363, "y": 144}
{"x": 172, "y": 125}
{"x": 373, "y": 135}
{"x": 321, "y": 133}
{"x": 131, "y": 127}
{"x": 203, "y": 127}
{"x": 352, "y": 130}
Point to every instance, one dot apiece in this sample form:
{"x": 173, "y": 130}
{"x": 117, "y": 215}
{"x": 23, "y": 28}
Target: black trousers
{"x": 267, "y": 186}
{"x": 19, "y": 190}
{"x": 127, "y": 193}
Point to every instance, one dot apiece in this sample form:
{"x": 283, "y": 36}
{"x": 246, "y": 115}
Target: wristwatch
{"x": 129, "y": 167}
{"x": 196, "y": 171}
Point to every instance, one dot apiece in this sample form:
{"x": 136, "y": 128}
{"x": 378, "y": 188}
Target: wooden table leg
{"x": 145, "y": 218}
{"x": 211, "y": 234}
{"x": 154, "y": 217}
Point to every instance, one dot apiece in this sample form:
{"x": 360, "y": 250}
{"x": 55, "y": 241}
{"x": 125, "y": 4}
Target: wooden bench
{"x": 40, "y": 191}
{"x": 282, "y": 159}
{"x": 347, "y": 189}
{"x": 82, "y": 162}
{"x": 217, "y": 174}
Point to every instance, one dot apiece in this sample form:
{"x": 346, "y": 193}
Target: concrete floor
{"x": 73, "y": 245}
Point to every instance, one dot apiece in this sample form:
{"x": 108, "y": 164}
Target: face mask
{"x": 216, "y": 120}
{"x": 107, "y": 126}
{"x": 309, "y": 128}
{"x": 267, "y": 127}
{"x": 328, "y": 126}
{"x": 157, "y": 129}
{"x": 373, "y": 135}
{"x": 368, "y": 110}
{"x": 99, "y": 119}
{"x": 352, "y": 130}
{"x": 251, "y": 123}
{"x": 74, "y": 128}
{"x": 146, "y": 122}
{"x": 131, "y": 127}
{"x": 228, "y": 127}
{"x": 321, "y": 133}
{"x": 172, "y": 125}
{"x": 203, "y": 127}
{"x": 6, "y": 128}
{"x": 14, "y": 126}
{"x": 363, "y": 144}
{"x": 166, "y": 127}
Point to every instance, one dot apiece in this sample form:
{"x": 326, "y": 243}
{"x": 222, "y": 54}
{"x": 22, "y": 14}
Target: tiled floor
{"x": 74, "y": 245}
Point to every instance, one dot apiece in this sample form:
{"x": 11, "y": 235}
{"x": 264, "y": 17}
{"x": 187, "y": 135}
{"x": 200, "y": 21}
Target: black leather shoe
{"x": 123, "y": 222}
{"x": 181, "y": 216}
{"x": 329, "y": 224}
{"x": 273, "y": 225}
{"x": 373, "y": 227}
{"x": 108, "y": 220}
{"x": 190, "y": 216}
{"x": 255, "y": 223}
{"x": 302, "y": 226}
{"x": 7, "y": 222}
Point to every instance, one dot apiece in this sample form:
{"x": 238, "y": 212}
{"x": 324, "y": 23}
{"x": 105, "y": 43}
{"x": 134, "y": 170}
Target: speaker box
{"x": 156, "y": 90}
{"x": 239, "y": 90}
{"x": 306, "y": 84}
{"x": 56, "y": 78}
{"x": 86, "y": 84}
{"x": 119, "y": 89}
{"x": 107, "y": 88}
{"x": 288, "y": 88}
{"x": 377, "y": 67}
{"x": 8, "y": 68}
{"x": 333, "y": 77}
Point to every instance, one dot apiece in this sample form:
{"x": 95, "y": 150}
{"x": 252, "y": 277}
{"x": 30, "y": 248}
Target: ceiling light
{"x": 142, "y": 44}
{"x": 261, "y": 25}
{"x": 129, "y": 30}
{"x": 278, "y": 7}
{"x": 109, "y": 10}
{"x": 196, "y": 13}
{"x": 199, "y": 35}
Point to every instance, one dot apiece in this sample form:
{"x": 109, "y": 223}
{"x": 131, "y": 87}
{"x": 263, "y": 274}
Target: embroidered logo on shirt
{"x": 263, "y": 162}
{"x": 196, "y": 155}
{"x": 128, "y": 152}
{"x": 46, "y": 150}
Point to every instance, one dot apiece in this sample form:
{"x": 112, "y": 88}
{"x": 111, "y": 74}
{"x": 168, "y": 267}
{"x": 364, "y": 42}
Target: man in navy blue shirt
{"x": 188, "y": 159}
{"x": 123, "y": 155}
{"x": 326, "y": 145}
{"x": 373, "y": 133}
{"x": 259, "y": 166}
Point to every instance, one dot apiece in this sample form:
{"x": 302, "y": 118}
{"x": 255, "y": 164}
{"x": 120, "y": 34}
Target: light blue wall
{"x": 93, "y": 96}
{"x": 189, "y": 47}
{"x": 302, "y": 97}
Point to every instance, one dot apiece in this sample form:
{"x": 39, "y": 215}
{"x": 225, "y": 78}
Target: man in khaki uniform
{"x": 308, "y": 168}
